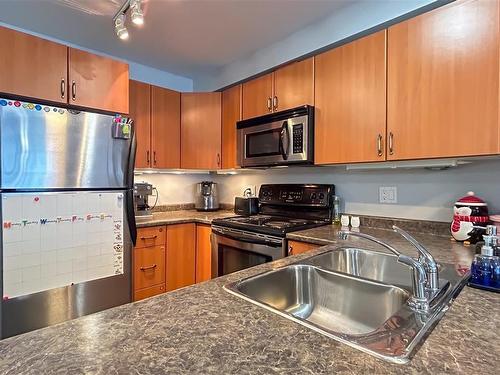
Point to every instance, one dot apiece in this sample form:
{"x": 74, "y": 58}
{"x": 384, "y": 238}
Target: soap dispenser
{"x": 485, "y": 269}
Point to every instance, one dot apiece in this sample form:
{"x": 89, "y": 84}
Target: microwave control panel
{"x": 298, "y": 138}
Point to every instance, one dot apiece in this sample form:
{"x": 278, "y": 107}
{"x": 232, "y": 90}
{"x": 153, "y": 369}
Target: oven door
{"x": 234, "y": 250}
{"x": 274, "y": 143}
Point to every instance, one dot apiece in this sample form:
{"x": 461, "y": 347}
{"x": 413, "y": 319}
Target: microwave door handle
{"x": 284, "y": 140}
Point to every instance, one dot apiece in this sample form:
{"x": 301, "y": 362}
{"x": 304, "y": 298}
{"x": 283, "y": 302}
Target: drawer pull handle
{"x": 152, "y": 267}
{"x": 149, "y": 238}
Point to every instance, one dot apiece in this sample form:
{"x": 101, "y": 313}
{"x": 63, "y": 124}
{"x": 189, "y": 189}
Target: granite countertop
{"x": 204, "y": 329}
{"x": 183, "y": 216}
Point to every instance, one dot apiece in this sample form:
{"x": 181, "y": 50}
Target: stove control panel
{"x": 296, "y": 194}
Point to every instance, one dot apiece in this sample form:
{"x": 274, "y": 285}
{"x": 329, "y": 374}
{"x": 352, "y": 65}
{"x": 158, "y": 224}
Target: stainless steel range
{"x": 241, "y": 242}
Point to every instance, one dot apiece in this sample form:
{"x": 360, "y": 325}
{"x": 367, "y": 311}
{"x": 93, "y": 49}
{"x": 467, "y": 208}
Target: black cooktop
{"x": 286, "y": 208}
{"x": 265, "y": 224}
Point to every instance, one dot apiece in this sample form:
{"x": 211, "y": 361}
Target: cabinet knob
{"x": 391, "y": 143}
{"x": 379, "y": 145}
{"x": 154, "y": 157}
{"x": 147, "y": 157}
{"x": 63, "y": 88}
{"x": 73, "y": 90}
{"x": 290, "y": 250}
{"x": 275, "y": 102}
{"x": 218, "y": 159}
{"x": 269, "y": 104}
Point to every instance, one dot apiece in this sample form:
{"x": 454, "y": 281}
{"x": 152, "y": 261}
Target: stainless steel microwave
{"x": 280, "y": 138}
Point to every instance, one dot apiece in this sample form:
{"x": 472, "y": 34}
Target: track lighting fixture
{"x": 136, "y": 12}
{"x": 120, "y": 28}
{"x": 136, "y": 15}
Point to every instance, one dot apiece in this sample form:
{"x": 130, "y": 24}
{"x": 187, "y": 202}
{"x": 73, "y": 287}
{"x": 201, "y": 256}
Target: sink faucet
{"x": 424, "y": 257}
{"x": 419, "y": 300}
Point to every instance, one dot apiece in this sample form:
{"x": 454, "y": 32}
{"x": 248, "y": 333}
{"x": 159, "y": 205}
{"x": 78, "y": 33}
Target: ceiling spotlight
{"x": 120, "y": 28}
{"x": 136, "y": 12}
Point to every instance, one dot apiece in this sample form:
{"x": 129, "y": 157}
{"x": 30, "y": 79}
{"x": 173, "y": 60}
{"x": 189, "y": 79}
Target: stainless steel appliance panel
{"x": 276, "y": 139}
{"x": 48, "y": 147}
{"x": 42, "y": 309}
{"x": 234, "y": 250}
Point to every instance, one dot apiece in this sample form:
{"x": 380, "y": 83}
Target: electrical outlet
{"x": 388, "y": 194}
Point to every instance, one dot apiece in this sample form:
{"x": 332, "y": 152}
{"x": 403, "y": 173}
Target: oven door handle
{"x": 249, "y": 239}
{"x": 284, "y": 145}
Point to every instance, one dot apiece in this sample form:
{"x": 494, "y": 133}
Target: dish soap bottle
{"x": 485, "y": 269}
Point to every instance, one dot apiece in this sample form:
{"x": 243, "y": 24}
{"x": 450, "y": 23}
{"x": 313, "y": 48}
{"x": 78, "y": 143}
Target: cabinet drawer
{"x": 149, "y": 292}
{"x": 150, "y": 237}
{"x": 149, "y": 266}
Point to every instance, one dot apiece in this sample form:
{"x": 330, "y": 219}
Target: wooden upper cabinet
{"x": 181, "y": 255}
{"x": 33, "y": 67}
{"x": 257, "y": 96}
{"x": 98, "y": 82}
{"x": 201, "y": 130}
{"x": 231, "y": 113}
{"x": 294, "y": 85}
{"x": 140, "y": 112}
{"x": 443, "y": 75}
{"x": 350, "y": 104}
{"x": 165, "y": 128}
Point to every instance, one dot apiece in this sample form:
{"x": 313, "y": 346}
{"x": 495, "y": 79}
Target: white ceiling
{"x": 184, "y": 37}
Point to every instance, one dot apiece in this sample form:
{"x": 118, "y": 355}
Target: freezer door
{"x": 44, "y": 147}
{"x": 64, "y": 255}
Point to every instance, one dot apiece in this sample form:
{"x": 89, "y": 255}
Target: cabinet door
{"x": 32, "y": 66}
{"x": 297, "y": 247}
{"x": 140, "y": 112}
{"x": 98, "y": 82}
{"x": 201, "y": 130}
{"x": 203, "y": 253}
{"x": 350, "y": 104}
{"x": 165, "y": 128}
{"x": 231, "y": 113}
{"x": 181, "y": 257}
{"x": 294, "y": 85}
{"x": 257, "y": 96}
{"x": 443, "y": 82}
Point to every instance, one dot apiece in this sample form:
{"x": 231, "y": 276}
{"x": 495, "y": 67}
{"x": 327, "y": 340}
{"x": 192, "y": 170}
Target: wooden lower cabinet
{"x": 203, "y": 253}
{"x": 181, "y": 255}
{"x": 149, "y": 263}
{"x": 149, "y": 292}
{"x": 298, "y": 247}
{"x": 171, "y": 257}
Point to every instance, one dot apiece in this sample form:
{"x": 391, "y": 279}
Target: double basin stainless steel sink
{"x": 354, "y": 296}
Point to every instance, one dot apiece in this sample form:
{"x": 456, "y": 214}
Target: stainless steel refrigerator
{"x": 68, "y": 223}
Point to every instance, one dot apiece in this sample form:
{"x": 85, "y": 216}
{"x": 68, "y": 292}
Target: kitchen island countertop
{"x": 203, "y": 329}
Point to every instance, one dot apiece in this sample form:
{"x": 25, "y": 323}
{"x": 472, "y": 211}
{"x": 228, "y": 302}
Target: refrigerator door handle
{"x": 130, "y": 189}
{"x": 129, "y": 202}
